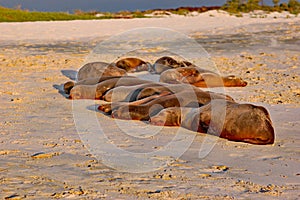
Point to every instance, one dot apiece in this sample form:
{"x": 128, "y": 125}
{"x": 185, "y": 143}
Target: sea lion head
{"x": 125, "y": 112}
{"x": 123, "y": 64}
{"x": 68, "y": 86}
{"x": 82, "y": 92}
{"x": 165, "y": 63}
{"x": 75, "y": 92}
{"x": 169, "y": 61}
{"x": 144, "y": 67}
{"x": 167, "y": 117}
{"x": 189, "y": 74}
{"x": 233, "y": 81}
{"x": 132, "y": 64}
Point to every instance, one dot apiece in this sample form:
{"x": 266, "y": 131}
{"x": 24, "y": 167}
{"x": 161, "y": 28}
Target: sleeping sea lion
{"x": 98, "y": 90}
{"x": 242, "y": 122}
{"x": 127, "y": 93}
{"x": 176, "y": 89}
{"x": 133, "y": 65}
{"x": 136, "y": 92}
{"x": 118, "y": 95}
{"x": 89, "y": 81}
{"x": 185, "y": 98}
{"x": 121, "y": 94}
{"x": 200, "y": 78}
{"x": 98, "y": 69}
{"x": 107, "y": 108}
{"x": 166, "y": 62}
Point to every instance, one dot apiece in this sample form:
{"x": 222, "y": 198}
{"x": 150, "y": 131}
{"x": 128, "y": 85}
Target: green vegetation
{"x": 294, "y": 6}
{"x": 18, "y": 15}
{"x": 238, "y": 6}
{"x": 180, "y": 11}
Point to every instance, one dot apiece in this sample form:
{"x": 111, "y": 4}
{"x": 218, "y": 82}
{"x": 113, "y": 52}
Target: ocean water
{"x": 109, "y": 5}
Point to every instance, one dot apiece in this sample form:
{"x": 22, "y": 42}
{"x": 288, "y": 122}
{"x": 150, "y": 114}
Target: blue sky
{"x": 108, "y": 5}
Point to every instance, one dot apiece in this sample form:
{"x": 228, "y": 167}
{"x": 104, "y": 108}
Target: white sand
{"x": 75, "y": 30}
{"x": 36, "y": 118}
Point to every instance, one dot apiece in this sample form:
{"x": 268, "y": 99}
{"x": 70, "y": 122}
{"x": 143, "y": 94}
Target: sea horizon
{"x": 109, "y": 5}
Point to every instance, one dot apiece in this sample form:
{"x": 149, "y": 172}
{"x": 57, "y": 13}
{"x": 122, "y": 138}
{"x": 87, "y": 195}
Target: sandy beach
{"x": 42, "y": 156}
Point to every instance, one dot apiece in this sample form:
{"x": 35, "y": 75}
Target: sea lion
{"x": 118, "y": 95}
{"x": 133, "y": 65}
{"x": 91, "y": 73}
{"x": 107, "y": 108}
{"x": 132, "y": 93}
{"x": 98, "y": 69}
{"x": 166, "y": 62}
{"x": 136, "y": 92}
{"x": 98, "y": 90}
{"x": 185, "y": 98}
{"x": 89, "y": 81}
{"x": 84, "y": 92}
{"x": 175, "y": 89}
{"x": 240, "y": 122}
{"x": 200, "y": 78}
{"x": 127, "y": 93}
{"x": 170, "y": 116}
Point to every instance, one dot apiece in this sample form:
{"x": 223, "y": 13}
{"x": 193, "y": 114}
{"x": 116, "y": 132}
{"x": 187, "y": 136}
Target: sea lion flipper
{"x": 68, "y": 86}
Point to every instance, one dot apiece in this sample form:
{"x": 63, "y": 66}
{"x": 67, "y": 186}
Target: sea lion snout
{"x": 157, "y": 121}
{"x": 123, "y": 113}
{"x": 232, "y": 81}
{"x": 167, "y": 117}
{"x": 83, "y": 92}
{"x": 74, "y": 95}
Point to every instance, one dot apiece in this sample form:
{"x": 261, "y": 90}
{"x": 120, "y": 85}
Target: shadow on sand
{"x": 71, "y": 74}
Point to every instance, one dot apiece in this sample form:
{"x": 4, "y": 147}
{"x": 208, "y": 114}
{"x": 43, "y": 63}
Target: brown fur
{"x": 184, "y": 98}
{"x": 132, "y": 64}
{"x": 164, "y": 63}
{"x": 200, "y": 78}
{"x": 239, "y": 122}
{"x": 98, "y": 90}
{"x": 90, "y": 81}
{"x": 98, "y": 69}
{"x": 166, "y": 104}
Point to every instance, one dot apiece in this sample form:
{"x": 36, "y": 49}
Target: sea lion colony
{"x": 176, "y": 100}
